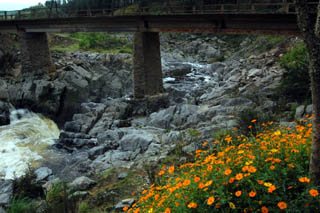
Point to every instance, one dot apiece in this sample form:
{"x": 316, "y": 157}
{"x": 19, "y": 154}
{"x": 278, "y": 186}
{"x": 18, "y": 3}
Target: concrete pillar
{"x": 147, "y": 72}
{"x": 35, "y": 53}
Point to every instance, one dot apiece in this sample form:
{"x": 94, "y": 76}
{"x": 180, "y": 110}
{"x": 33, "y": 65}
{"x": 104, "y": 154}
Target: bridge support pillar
{"x": 147, "y": 72}
{"x": 35, "y": 53}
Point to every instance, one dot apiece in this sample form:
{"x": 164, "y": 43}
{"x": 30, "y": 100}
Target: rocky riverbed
{"x": 102, "y": 127}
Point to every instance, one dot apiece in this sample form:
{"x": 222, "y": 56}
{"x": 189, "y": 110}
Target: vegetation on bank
{"x": 266, "y": 173}
{"x": 94, "y": 42}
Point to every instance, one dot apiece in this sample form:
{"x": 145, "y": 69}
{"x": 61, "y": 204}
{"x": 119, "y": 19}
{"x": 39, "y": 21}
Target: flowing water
{"x": 24, "y": 142}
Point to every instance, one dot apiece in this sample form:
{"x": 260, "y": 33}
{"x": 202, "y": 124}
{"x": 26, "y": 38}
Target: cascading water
{"x": 24, "y": 142}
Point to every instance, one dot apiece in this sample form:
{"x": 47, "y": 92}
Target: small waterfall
{"x": 24, "y": 142}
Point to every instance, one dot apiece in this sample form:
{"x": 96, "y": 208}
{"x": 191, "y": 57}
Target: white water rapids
{"x": 24, "y": 142}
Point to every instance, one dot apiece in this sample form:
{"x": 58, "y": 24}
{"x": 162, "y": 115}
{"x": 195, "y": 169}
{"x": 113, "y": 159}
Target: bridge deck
{"x": 166, "y": 16}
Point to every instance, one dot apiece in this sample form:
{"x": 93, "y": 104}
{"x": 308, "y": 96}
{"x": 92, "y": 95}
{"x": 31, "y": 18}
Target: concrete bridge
{"x": 147, "y": 21}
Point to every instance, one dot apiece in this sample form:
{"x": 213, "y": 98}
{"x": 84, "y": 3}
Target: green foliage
{"x": 250, "y": 120}
{"x": 20, "y": 205}
{"x": 102, "y": 41}
{"x": 58, "y": 199}
{"x": 26, "y": 186}
{"x": 84, "y": 207}
{"x": 295, "y": 82}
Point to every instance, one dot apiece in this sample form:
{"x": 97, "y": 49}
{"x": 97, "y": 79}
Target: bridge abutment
{"x": 35, "y": 53}
{"x": 147, "y": 72}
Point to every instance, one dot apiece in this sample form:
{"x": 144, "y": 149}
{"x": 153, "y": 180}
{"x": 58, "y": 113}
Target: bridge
{"x": 147, "y": 19}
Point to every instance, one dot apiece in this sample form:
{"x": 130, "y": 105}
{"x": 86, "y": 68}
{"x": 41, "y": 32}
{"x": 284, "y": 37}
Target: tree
{"x": 309, "y": 25}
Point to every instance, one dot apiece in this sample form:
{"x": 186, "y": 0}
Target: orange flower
{"x": 260, "y": 182}
{"x": 252, "y": 194}
{"x": 264, "y": 209}
{"x": 210, "y": 200}
{"x": 167, "y": 210}
{"x": 304, "y": 180}
{"x": 161, "y": 173}
{"x": 282, "y": 205}
{"x": 208, "y": 183}
{"x": 272, "y": 167}
{"x": 201, "y": 186}
{"x": 227, "y": 171}
{"x": 125, "y": 208}
{"x": 156, "y": 197}
{"x": 252, "y": 169}
{"x": 196, "y": 179}
{"x": 238, "y": 193}
{"x": 171, "y": 170}
{"x": 271, "y": 189}
{"x": 313, "y": 192}
{"x": 192, "y": 205}
{"x": 239, "y": 176}
{"x": 186, "y": 182}
{"x": 231, "y": 180}
{"x": 177, "y": 204}
{"x": 253, "y": 121}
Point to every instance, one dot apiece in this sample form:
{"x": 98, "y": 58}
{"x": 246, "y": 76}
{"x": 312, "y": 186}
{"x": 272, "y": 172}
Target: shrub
{"x": 295, "y": 82}
{"x": 26, "y": 185}
{"x": 266, "y": 173}
{"x": 250, "y": 120}
{"x": 20, "y": 205}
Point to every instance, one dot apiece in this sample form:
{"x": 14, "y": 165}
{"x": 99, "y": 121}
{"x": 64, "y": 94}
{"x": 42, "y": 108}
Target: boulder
{"x": 42, "y": 173}
{"x": 6, "y": 192}
{"x": 126, "y": 202}
{"x": 135, "y": 141}
{"x": 81, "y": 183}
{"x": 176, "y": 69}
{"x": 299, "y": 112}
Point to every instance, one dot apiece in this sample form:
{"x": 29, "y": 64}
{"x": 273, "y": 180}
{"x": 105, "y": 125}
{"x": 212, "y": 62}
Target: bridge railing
{"x": 158, "y": 7}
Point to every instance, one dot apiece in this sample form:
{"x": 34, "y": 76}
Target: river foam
{"x": 24, "y": 142}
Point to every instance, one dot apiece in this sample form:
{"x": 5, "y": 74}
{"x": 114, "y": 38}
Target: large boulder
{"x": 6, "y": 191}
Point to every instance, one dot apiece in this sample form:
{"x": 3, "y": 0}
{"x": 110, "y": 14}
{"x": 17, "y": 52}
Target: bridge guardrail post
{"x": 285, "y": 6}
{"x": 5, "y": 15}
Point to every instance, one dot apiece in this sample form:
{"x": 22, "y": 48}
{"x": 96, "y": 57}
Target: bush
{"x": 102, "y": 41}
{"x": 20, "y": 205}
{"x": 26, "y": 185}
{"x": 266, "y": 173}
{"x": 250, "y": 120}
{"x": 295, "y": 82}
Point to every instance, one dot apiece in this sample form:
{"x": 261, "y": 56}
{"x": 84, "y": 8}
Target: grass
{"x": 263, "y": 173}
{"x": 93, "y": 42}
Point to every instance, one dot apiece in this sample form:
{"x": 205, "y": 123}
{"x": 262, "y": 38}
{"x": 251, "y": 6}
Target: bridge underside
{"x": 147, "y": 74}
{"x": 216, "y": 23}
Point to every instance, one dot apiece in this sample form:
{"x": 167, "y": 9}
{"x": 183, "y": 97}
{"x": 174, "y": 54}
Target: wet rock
{"x": 309, "y": 109}
{"x": 122, "y": 175}
{"x": 42, "y": 173}
{"x": 178, "y": 69}
{"x": 126, "y": 202}
{"x": 228, "y": 102}
{"x": 299, "y": 112}
{"x": 81, "y": 183}
{"x": 6, "y": 192}
{"x": 163, "y": 118}
{"x": 255, "y": 73}
{"x": 189, "y": 148}
{"x": 95, "y": 151}
{"x": 132, "y": 142}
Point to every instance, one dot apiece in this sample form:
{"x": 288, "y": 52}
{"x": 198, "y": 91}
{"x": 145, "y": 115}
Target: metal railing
{"x": 161, "y": 7}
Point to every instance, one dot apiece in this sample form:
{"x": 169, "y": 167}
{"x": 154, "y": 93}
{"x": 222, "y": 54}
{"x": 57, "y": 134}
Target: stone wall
{"x": 147, "y": 74}
{"x": 35, "y": 53}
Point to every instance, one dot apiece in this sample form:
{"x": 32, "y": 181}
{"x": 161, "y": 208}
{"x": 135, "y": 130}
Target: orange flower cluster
{"x": 246, "y": 171}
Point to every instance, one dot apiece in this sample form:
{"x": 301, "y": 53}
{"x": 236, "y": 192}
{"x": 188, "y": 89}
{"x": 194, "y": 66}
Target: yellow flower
{"x": 171, "y": 170}
{"x": 277, "y": 133}
{"x": 150, "y": 210}
{"x": 232, "y": 205}
{"x": 210, "y": 200}
{"x": 267, "y": 184}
